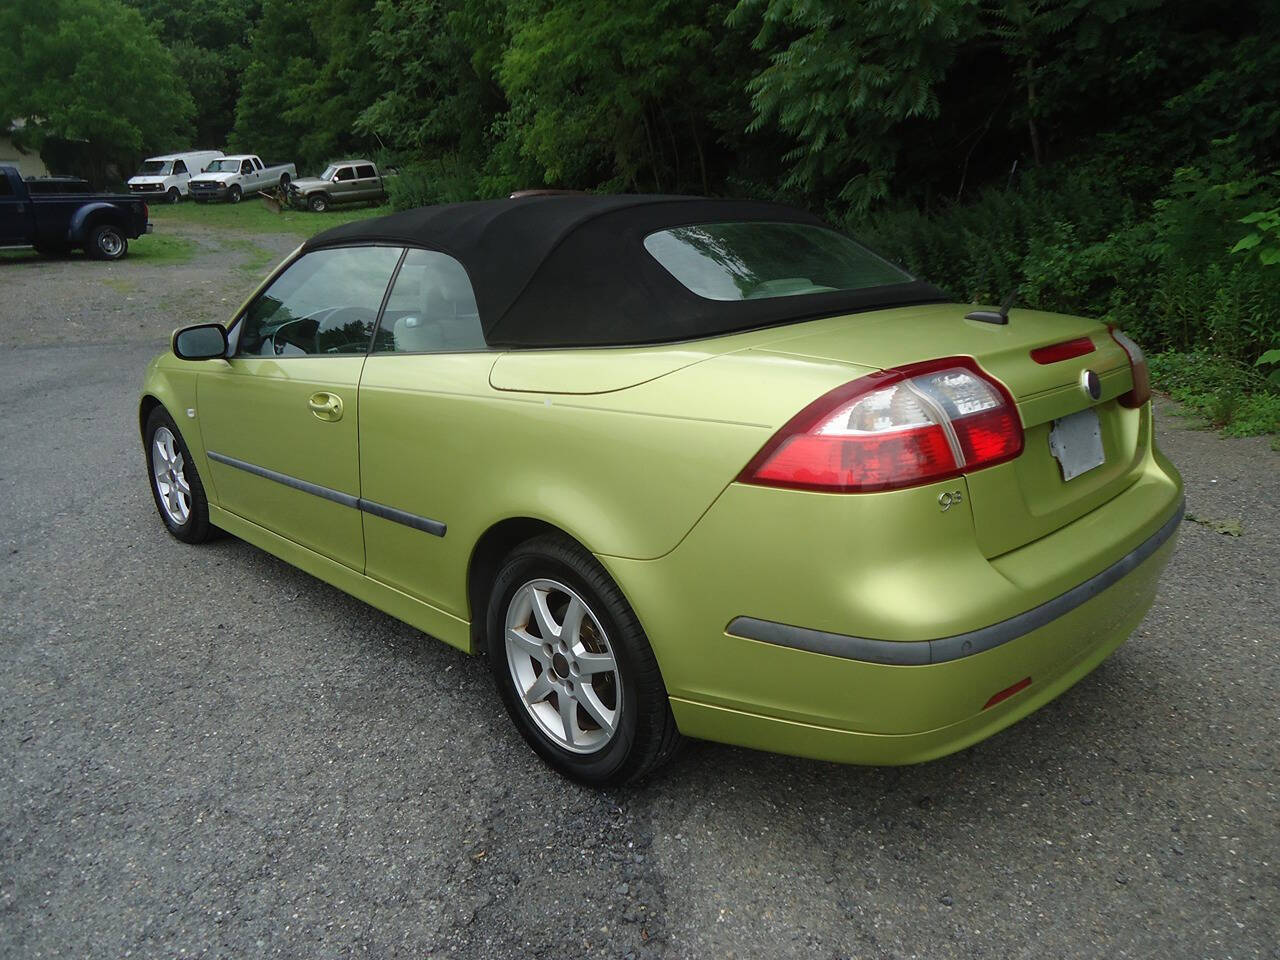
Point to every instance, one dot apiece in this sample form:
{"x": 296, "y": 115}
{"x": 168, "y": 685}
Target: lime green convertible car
{"x": 681, "y": 467}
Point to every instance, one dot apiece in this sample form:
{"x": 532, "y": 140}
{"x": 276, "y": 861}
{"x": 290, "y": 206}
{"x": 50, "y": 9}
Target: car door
{"x": 180, "y": 176}
{"x": 367, "y": 186}
{"x": 344, "y": 184}
{"x": 418, "y": 402}
{"x": 15, "y": 214}
{"x": 279, "y": 419}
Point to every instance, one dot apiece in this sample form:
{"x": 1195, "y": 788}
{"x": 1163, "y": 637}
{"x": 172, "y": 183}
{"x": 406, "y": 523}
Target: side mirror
{"x": 202, "y": 341}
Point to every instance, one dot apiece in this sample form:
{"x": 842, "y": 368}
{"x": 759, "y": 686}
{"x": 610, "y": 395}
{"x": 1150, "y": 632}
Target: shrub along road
{"x": 209, "y": 753}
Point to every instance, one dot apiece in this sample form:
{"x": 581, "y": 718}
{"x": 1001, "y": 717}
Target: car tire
{"x": 234, "y": 194}
{"x": 173, "y": 195}
{"x": 602, "y": 669}
{"x": 107, "y": 242}
{"x": 170, "y": 468}
{"x": 317, "y": 203}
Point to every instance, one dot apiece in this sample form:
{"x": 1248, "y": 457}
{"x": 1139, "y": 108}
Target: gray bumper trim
{"x": 920, "y": 653}
{"x": 425, "y": 524}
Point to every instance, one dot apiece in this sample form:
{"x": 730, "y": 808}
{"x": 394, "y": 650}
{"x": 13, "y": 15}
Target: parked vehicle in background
{"x": 231, "y": 177}
{"x": 168, "y": 176}
{"x": 55, "y": 223}
{"x": 57, "y": 185}
{"x": 347, "y": 181}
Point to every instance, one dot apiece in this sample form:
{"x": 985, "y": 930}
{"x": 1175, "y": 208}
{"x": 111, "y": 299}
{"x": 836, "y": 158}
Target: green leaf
{"x": 1271, "y": 356}
{"x": 1247, "y": 243}
{"x": 1269, "y": 256}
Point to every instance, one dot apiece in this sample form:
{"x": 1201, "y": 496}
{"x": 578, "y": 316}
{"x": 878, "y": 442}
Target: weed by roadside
{"x": 252, "y": 216}
{"x": 1227, "y": 395}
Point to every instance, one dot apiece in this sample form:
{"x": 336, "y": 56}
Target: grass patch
{"x": 252, "y": 216}
{"x": 1226, "y": 395}
{"x": 160, "y": 249}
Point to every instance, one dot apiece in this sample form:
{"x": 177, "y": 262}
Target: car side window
{"x": 246, "y": 167}
{"x": 346, "y": 173}
{"x": 325, "y": 303}
{"x": 6, "y": 188}
{"x": 431, "y": 308}
{"x": 365, "y": 172}
{"x": 179, "y": 167}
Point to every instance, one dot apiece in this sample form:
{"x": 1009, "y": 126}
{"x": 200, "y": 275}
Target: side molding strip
{"x": 425, "y": 524}
{"x": 922, "y": 652}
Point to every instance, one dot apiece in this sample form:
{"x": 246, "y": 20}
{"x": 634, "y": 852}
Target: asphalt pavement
{"x": 207, "y": 753}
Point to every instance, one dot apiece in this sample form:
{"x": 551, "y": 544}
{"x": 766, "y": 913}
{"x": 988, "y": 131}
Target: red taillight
{"x": 896, "y": 428}
{"x": 1067, "y": 350}
{"x": 1141, "y": 391}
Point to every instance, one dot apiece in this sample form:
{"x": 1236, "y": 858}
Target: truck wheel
{"x": 173, "y": 195}
{"x": 106, "y": 242}
{"x": 284, "y": 181}
{"x": 234, "y": 193}
{"x": 318, "y": 202}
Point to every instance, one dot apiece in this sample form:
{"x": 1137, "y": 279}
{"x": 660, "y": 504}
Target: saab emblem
{"x": 1091, "y": 385}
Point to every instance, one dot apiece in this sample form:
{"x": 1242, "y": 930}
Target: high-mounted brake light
{"x": 891, "y": 429}
{"x": 1141, "y": 391}
{"x": 1067, "y": 350}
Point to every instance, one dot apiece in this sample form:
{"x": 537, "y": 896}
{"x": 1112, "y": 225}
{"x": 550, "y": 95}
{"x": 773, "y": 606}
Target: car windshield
{"x": 329, "y": 171}
{"x": 225, "y": 165}
{"x": 154, "y": 168}
{"x": 756, "y": 261}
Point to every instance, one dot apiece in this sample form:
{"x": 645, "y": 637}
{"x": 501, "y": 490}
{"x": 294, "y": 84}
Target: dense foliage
{"x": 1116, "y": 158}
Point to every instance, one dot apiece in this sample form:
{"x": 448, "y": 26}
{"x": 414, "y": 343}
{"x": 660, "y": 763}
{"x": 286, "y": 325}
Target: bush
{"x": 1227, "y": 394}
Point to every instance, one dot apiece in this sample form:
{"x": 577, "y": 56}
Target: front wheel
{"x": 234, "y": 194}
{"x": 175, "y": 484}
{"x": 173, "y": 195}
{"x": 107, "y": 242}
{"x": 318, "y": 202}
{"x": 574, "y": 668}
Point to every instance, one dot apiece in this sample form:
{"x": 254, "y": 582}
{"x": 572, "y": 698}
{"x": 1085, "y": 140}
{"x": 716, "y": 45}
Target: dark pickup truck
{"x": 54, "y": 223}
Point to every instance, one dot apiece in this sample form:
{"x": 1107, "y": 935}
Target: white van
{"x": 166, "y": 177}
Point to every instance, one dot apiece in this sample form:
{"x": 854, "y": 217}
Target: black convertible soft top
{"x": 562, "y": 271}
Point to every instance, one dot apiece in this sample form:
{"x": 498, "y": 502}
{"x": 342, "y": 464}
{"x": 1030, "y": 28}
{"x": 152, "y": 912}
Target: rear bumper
{"x": 960, "y": 645}
{"x": 932, "y": 629}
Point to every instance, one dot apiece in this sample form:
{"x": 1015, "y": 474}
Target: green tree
{"x": 210, "y": 46}
{"x": 309, "y": 78}
{"x": 93, "y": 71}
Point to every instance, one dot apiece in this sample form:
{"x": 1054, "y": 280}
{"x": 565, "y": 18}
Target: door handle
{"x": 326, "y": 406}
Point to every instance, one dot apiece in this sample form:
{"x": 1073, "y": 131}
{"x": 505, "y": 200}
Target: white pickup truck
{"x": 233, "y": 176}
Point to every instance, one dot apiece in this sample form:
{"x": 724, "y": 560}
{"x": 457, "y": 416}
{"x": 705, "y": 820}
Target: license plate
{"x": 1076, "y": 443}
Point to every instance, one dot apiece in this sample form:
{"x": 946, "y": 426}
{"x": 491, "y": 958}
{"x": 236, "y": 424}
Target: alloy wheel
{"x": 563, "y": 667}
{"x": 167, "y": 473}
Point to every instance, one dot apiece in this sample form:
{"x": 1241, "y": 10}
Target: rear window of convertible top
{"x": 758, "y": 260}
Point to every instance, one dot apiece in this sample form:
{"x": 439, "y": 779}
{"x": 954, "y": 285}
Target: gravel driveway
{"x": 210, "y": 754}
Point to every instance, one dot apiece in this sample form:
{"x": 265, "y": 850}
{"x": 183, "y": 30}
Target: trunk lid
{"x": 1027, "y": 498}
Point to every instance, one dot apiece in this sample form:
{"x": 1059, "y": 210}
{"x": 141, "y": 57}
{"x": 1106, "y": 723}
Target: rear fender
{"x": 90, "y": 215}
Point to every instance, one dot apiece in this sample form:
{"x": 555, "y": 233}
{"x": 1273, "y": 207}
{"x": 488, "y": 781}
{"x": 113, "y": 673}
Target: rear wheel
{"x": 173, "y": 195}
{"x": 318, "y": 202}
{"x": 106, "y": 242}
{"x": 175, "y": 485}
{"x": 574, "y": 668}
{"x": 234, "y": 194}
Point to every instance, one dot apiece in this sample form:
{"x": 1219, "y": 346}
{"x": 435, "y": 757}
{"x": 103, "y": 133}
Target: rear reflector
{"x": 1008, "y": 692}
{"x": 1067, "y": 350}
{"x": 896, "y": 428}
